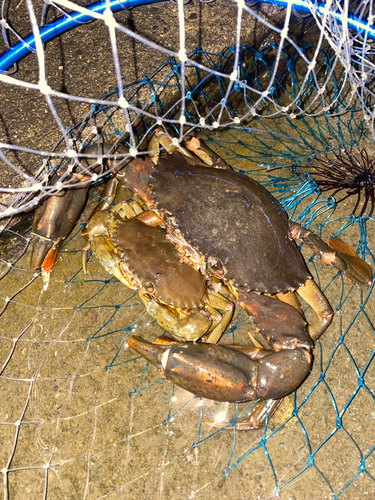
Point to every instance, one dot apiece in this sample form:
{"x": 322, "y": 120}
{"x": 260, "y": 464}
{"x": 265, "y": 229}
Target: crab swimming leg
{"x": 336, "y": 254}
{"x": 319, "y": 303}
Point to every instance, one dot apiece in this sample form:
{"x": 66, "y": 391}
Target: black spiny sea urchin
{"x": 348, "y": 174}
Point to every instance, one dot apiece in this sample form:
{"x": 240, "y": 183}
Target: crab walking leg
{"x": 291, "y": 299}
{"x": 217, "y": 301}
{"x": 150, "y": 218}
{"x": 204, "y": 153}
{"x": 107, "y": 196}
{"x": 311, "y": 293}
{"x": 336, "y": 254}
{"x": 190, "y": 326}
{"x": 256, "y": 418}
{"x": 165, "y": 141}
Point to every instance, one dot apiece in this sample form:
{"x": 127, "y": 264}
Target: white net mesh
{"x": 82, "y": 415}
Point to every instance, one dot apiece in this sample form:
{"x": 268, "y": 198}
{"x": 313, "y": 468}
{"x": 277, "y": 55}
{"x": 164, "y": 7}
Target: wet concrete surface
{"x": 84, "y": 417}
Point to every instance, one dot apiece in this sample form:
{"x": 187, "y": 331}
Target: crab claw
{"x": 208, "y": 370}
{"x": 151, "y": 352}
{"x": 43, "y": 256}
{"x": 48, "y": 263}
{"x": 357, "y": 270}
{"x": 52, "y": 223}
{"x": 220, "y": 373}
{"x": 268, "y": 371}
{"x": 40, "y": 249}
{"x": 258, "y": 415}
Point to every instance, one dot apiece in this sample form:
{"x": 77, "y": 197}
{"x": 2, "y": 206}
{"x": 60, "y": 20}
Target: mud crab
{"x": 139, "y": 255}
{"x": 228, "y": 227}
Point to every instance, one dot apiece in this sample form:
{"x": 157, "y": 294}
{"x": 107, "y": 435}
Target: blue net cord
{"x": 70, "y": 20}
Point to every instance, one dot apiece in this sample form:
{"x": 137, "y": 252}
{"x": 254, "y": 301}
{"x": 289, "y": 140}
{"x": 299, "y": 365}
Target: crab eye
{"x": 216, "y": 267}
{"x": 149, "y": 287}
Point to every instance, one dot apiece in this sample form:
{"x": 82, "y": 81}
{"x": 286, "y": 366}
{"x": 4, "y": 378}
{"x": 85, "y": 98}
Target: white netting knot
{"x": 182, "y": 55}
{"x": 123, "y": 103}
{"x": 71, "y": 153}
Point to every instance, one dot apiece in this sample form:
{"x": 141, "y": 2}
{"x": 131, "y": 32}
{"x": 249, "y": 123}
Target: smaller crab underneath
{"x": 350, "y": 174}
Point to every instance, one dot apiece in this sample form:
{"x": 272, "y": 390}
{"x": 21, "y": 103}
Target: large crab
{"x": 138, "y": 254}
{"x": 229, "y": 227}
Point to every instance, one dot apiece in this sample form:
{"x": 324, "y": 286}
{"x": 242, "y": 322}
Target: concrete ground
{"x": 82, "y": 416}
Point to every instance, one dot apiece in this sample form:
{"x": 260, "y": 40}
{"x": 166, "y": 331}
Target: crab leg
{"x": 312, "y": 294}
{"x": 291, "y": 299}
{"x": 217, "y": 301}
{"x": 107, "y": 197}
{"x": 204, "y": 153}
{"x": 224, "y": 374}
{"x": 257, "y": 417}
{"x": 336, "y": 254}
{"x": 159, "y": 137}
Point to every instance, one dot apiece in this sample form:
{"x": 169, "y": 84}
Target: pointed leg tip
{"x": 239, "y": 425}
{"x": 48, "y": 264}
{"x": 357, "y": 271}
{"x": 46, "y": 280}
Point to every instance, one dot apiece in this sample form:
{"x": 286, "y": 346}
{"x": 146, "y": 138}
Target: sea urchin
{"x": 350, "y": 175}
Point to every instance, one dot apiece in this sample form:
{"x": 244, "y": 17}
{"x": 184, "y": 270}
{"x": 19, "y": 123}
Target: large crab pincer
{"x": 224, "y": 374}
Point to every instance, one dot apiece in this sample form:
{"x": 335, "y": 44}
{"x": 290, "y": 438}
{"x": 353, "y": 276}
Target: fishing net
{"x": 275, "y": 92}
